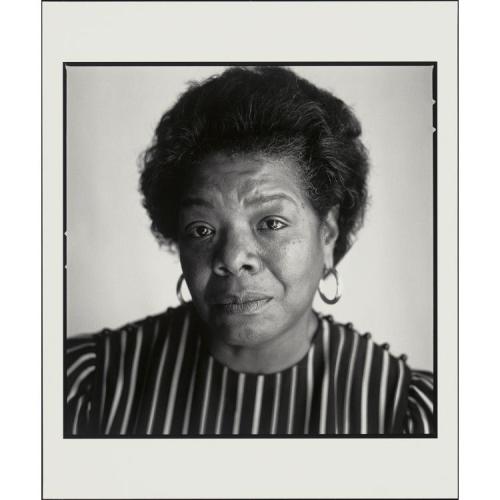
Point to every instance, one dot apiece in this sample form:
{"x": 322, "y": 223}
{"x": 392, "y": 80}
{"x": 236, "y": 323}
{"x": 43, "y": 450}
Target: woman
{"x": 258, "y": 179}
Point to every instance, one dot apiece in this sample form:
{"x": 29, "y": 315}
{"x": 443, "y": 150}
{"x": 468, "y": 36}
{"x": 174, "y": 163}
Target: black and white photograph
{"x": 249, "y": 250}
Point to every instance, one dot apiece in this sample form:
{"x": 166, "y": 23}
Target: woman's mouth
{"x": 245, "y": 304}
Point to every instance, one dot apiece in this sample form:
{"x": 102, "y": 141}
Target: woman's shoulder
{"x": 356, "y": 339}
{"x": 420, "y": 415}
{"x": 363, "y": 342}
{"x": 85, "y": 352}
{"x": 408, "y": 392}
{"x": 93, "y": 361}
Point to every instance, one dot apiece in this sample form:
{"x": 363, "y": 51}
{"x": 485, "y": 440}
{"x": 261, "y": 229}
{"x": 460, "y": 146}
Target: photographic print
{"x": 258, "y": 182}
{"x": 249, "y": 250}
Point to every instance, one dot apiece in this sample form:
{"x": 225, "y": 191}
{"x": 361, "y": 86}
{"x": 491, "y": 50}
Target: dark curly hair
{"x": 264, "y": 110}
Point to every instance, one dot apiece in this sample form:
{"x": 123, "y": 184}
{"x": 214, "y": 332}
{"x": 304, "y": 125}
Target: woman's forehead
{"x": 248, "y": 178}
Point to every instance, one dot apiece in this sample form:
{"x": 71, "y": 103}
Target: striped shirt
{"x": 154, "y": 377}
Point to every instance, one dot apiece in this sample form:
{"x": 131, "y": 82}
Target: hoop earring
{"x": 179, "y": 290}
{"x": 338, "y": 289}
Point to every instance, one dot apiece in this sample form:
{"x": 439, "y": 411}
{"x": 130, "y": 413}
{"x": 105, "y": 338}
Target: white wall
{"x": 116, "y": 271}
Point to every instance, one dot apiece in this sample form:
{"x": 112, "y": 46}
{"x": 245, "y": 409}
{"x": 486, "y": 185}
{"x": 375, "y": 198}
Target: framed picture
{"x": 245, "y": 226}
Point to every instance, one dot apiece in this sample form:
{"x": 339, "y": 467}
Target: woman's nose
{"x": 236, "y": 254}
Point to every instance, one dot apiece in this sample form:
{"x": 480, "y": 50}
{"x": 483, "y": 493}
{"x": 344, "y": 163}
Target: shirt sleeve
{"x": 81, "y": 356}
{"x": 419, "y": 418}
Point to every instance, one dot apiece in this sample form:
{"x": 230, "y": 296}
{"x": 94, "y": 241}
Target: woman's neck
{"x": 276, "y": 355}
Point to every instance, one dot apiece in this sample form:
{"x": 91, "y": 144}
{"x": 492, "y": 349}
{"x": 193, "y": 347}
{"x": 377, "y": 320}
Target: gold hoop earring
{"x": 179, "y": 290}
{"x": 338, "y": 288}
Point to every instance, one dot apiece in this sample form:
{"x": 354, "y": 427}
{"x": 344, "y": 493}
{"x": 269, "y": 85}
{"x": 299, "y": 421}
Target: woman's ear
{"x": 330, "y": 234}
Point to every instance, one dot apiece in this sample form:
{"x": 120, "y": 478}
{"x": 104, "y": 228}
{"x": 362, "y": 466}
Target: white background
{"x": 116, "y": 272}
{"x": 20, "y": 101}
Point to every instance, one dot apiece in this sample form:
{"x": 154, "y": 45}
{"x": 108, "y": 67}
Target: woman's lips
{"x": 241, "y": 304}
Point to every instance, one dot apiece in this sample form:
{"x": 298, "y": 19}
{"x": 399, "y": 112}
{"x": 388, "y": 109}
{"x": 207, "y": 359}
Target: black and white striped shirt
{"x": 155, "y": 378}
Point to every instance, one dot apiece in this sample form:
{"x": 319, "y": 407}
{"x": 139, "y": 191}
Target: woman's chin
{"x": 245, "y": 330}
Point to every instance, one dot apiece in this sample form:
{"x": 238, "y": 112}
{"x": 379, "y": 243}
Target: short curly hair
{"x": 266, "y": 110}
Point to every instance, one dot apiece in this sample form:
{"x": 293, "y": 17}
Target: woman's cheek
{"x": 295, "y": 259}
{"x": 196, "y": 268}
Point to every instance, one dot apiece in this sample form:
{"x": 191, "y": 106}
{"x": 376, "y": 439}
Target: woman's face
{"x": 252, "y": 248}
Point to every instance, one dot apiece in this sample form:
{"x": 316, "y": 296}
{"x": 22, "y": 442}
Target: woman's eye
{"x": 272, "y": 225}
{"x": 200, "y": 231}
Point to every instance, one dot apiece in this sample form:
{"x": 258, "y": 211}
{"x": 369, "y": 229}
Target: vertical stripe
{"x": 222, "y": 400}
{"x": 175, "y": 377}
{"x": 247, "y": 407}
{"x": 416, "y": 377}
{"x": 89, "y": 408}
{"x": 383, "y": 391}
{"x": 78, "y": 381}
{"x": 398, "y": 393}
{"x": 133, "y": 380}
{"x": 347, "y": 399}
{"x": 427, "y": 380}
{"x": 187, "y": 414}
{"x": 410, "y": 424}
{"x": 119, "y": 383}
{"x": 336, "y": 378}
{"x": 424, "y": 398}
{"x": 291, "y": 406}
{"x": 364, "y": 386}
{"x": 206, "y": 395}
{"x": 80, "y": 361}
{"x": 213, "y": 400}
{"x": 77, "y": 414}
{"x": 276, "y": 403}
{"x": 326, "y": 377}
{"x": 423, "y": 416}
{"x": 104, "y": 379}
{"x": 239, "y": 403}
{"x": 309, "y": 388}
{"x": 229, "y": 405}
{"x": 257, "y": 404}
{"x": 159, "y": 373}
